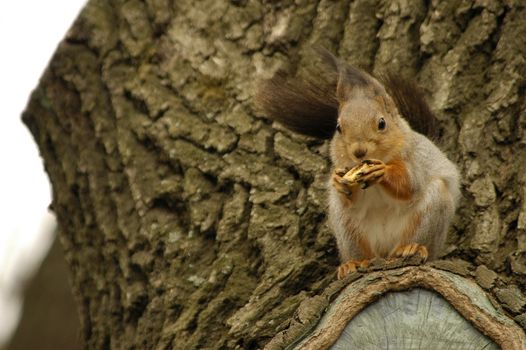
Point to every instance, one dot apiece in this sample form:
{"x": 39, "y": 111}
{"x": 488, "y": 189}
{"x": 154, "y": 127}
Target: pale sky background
{"x": 29, "y": 33}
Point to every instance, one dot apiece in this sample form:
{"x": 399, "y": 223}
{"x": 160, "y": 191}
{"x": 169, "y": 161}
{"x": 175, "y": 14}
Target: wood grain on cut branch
{"x": 413, "y": 319}
{"x": 441, "y": 310}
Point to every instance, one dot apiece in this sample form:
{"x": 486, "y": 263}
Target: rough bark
{"x": 188, "y": 221}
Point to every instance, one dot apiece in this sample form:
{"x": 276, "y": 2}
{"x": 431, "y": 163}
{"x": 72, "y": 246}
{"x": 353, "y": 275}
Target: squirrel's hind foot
{"x": 408, "y": 250}
{"x": 351, "y": 266}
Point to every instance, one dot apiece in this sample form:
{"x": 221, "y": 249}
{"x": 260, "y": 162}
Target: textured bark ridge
{"x": 188, "y": 221}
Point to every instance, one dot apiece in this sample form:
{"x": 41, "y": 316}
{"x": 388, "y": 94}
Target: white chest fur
{"x": 381, "y": 219}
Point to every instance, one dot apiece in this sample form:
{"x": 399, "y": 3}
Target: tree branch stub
{"x": 463, "y": 294}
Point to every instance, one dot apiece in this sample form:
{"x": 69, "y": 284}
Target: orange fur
{"x": 365, "y": 248}
{"x": 409, "y": 233}
{"x": 407, "y": 247}
{"x": 396, "y": 180}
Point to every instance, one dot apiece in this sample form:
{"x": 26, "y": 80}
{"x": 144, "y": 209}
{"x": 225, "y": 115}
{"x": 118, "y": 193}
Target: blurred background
{"x": 36, "y": 305}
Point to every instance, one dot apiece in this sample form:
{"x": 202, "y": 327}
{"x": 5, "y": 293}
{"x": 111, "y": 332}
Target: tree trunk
{"x": 189, "y": 221}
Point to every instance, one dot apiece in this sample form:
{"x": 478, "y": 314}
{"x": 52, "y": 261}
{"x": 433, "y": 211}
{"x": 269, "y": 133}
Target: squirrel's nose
{"x": 360, "y": 153}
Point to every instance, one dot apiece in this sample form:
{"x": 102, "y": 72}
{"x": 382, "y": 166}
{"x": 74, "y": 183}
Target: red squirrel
{"x": 392, "y": 192}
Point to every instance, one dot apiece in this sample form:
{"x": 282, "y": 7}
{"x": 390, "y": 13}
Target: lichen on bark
{"x": 188, "y": 220}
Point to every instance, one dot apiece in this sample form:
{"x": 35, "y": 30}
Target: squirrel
{"x": 392, "y": 192}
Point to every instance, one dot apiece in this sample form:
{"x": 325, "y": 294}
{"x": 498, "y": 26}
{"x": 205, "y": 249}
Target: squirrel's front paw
{"x": 350, "y": 266}
{"x": 368, "y": 173}
{"x": 340, "y": 185}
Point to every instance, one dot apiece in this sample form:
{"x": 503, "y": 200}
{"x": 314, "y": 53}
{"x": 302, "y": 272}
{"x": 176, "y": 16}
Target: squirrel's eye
{"x": 381, "y": 124}
{"x": 338, "y": 128}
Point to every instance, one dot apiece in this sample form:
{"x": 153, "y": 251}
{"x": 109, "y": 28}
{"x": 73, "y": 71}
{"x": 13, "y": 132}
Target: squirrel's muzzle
{"x": 360, "y": 152}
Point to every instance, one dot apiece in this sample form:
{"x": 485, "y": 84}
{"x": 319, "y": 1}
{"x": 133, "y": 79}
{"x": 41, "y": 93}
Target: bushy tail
{"x": 411, "y": 104}
{"x": 306, "y": 104}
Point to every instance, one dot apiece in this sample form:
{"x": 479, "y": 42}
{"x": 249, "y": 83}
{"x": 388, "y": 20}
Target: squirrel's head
{"x": 368, "y": 125}
{"x": 363, "y": 117}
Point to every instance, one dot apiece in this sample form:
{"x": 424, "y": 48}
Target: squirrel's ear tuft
{"x": 350, "y": 78}
{"x": 305, "y": 105}
{"x": 410, "y": 101}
